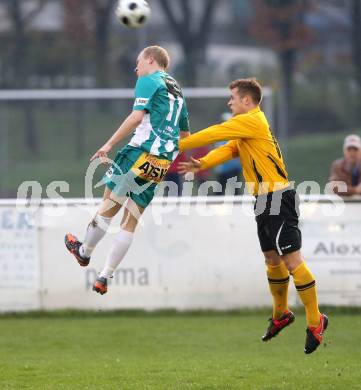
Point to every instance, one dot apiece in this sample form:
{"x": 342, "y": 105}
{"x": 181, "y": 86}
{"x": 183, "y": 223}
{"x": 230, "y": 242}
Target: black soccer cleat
{"x": 314, "y": 335}
{"x": 73, "y": 245}
{"x": 275, "y": 326}
{"x": 100, "y": 285}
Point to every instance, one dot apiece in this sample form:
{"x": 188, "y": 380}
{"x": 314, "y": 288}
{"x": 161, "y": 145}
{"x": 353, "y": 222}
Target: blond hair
{"x": 160, "y": 55}
{"x": 248, "y": 87}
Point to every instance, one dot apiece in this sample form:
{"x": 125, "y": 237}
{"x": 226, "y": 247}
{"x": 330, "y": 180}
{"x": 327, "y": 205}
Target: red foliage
{"x": 280, "y": 24}
{"x": 78, "y": 22}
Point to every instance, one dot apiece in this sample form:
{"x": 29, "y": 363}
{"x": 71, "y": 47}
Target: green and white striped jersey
{"x": 162, "y": 98}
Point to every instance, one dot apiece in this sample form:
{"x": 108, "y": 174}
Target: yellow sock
{"x": 278, "y": 278}
{"x": 306, "y": 287}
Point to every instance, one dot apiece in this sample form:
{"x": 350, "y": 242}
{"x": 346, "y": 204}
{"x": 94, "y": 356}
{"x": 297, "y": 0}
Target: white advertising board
{"x": 176, "y": 261}
{"x": 19, "y": 261}
{"x": 184, "y": 256}
{"x": 332, "y": 248}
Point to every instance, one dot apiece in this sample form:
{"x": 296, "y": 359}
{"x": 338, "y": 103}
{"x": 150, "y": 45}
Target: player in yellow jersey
{"x": 276, "y": 206}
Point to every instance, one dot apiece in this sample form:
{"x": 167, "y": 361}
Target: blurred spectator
{"x": 173, "y": 175}
{"x": 227, "y": 170}
{"x": 348, "y": 168}
{"x": 203, "y": 175}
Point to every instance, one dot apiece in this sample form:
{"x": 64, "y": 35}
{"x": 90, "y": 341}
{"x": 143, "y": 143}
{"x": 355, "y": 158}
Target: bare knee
{"x": 132, "y": 214}
{"x": 272, "y": 258}
{"x": 111, "y": 204}
{"x": 292, "y": 260}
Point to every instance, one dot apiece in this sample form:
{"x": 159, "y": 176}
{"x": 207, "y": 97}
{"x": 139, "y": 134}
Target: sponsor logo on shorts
{"x": 286, "y": 247}
{"x": 110, "y": 172}
{"x": 151, "y": 168}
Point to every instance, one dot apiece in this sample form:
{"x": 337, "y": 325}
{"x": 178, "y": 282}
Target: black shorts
{"x": 277, "y": 221}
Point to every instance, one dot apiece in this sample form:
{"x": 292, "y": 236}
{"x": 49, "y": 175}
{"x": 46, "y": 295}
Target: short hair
{"x": 248, "y": 87}
{"x": 159, "y": 54}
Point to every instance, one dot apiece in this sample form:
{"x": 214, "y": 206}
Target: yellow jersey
{"x": 250, "y": 139}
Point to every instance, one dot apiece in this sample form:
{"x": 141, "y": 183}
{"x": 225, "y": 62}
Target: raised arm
{"x": 144, "y": 92}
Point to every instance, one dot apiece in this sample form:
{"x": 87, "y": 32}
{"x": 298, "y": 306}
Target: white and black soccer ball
{"x": 132, "y": 13}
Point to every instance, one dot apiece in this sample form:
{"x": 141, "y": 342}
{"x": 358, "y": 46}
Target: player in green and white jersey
{"x": 161, "y": 97}
{"x": 159, "y": 118}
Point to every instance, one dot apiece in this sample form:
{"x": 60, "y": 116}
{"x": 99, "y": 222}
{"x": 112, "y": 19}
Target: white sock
{"x": 95, "y": 232}
{"x": 119, "y": 249}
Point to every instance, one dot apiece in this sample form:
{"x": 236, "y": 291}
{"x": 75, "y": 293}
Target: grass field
{"x": 174, "y": 351}
{"x": 320, "y": 150}
{"x": 68, "y": 134}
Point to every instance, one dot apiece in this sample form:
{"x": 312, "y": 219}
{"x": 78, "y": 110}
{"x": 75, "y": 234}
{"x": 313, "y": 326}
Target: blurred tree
{"x": 20, "y": 17}
{"x": 193, "y": 35}
{"x": 356, "y": 38}
{"x": 102, "y": 13}
{"x": 87, "y": 23}
{"x": 280, "y": 24}
{"x": 78, "y": 33}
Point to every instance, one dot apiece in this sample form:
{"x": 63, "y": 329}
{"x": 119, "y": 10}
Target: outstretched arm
{"x": 129, "y": 124}
{"x": 238, "y": 127}
{"x": 220, "y": 155}
{"x": 213, "y": 158}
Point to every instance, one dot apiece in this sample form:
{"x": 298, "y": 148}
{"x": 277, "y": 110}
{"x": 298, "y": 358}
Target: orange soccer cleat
{"x": 100, "y": 285}
{"x": 73, "y": 245}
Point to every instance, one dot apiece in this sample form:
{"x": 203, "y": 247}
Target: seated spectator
{"x": 348, "y": 168}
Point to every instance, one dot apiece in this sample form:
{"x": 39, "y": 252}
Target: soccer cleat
{"x": 314, "y": 335}
{"x": 73, "y": 245}
{"x": 275, "y": 326}
{"x": 100, "y": 285}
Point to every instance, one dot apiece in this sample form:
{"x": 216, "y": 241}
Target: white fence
{"x": 187, "y": 254}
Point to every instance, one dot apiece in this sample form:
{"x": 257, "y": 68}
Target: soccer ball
{"x": 132, "y": 13}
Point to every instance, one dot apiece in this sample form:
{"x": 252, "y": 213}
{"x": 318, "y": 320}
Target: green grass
{"x": 63, "y": 155}
{"x": 174, "y": 351}
{"x": 309, "y": 157}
